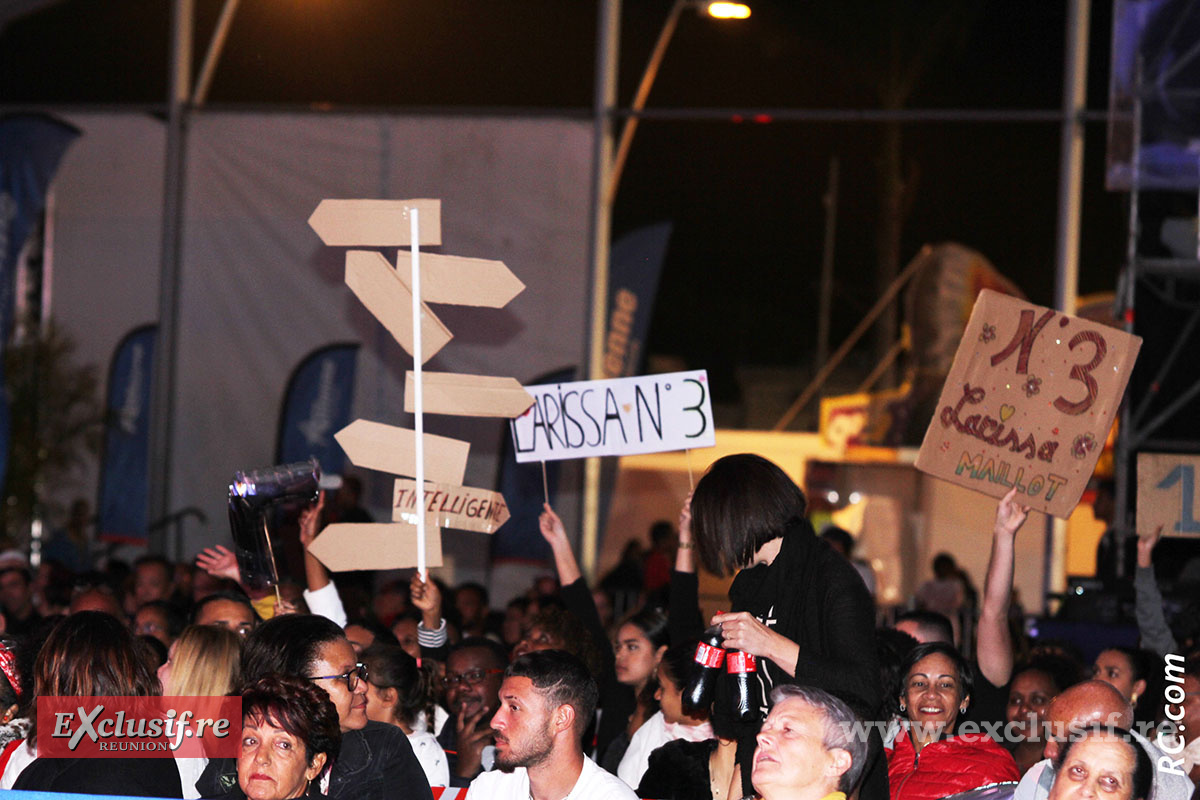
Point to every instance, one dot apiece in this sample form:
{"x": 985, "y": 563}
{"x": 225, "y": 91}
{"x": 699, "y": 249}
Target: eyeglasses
{"x": 352, "y": 676}
{"x": 471, "y": 678}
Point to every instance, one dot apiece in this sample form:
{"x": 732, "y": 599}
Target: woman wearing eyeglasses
{"x": 376, "y": 759}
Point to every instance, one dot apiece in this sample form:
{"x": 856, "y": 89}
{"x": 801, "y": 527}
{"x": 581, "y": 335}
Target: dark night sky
{"x": 741, "y": 277}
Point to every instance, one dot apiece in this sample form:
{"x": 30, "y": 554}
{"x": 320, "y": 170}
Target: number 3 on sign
{"x": 1185, "y": 476}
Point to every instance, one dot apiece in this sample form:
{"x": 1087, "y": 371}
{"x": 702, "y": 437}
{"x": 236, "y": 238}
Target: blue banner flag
{"x": 316, "y": 405}
{"x": 124, "y": 463}
{"x": 30, "y": 148}
{"x": 635, "y": 266}
{"x": 521, "y": 484}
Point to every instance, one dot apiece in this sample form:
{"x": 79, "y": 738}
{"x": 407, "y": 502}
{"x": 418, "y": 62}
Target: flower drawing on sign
{"x": 1084, "y": 443}
{"x": 1033, "y": 386}
{"x": 988, "y": 333}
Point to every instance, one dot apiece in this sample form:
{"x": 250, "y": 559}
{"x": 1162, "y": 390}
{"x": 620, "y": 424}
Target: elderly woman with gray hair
{"x": 811, "y": 747}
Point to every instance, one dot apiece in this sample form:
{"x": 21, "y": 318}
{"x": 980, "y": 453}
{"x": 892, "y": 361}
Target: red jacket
{"x": 948, "y": 766}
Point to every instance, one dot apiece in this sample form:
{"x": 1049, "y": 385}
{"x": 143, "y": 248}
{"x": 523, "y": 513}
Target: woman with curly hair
{"x": 290, "y": 738}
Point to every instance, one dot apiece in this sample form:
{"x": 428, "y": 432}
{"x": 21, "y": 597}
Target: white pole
{"x": 1070, "y": 207}
{"x": 418, "y": 405}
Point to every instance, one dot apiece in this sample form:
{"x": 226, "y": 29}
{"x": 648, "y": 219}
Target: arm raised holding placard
{"x": 993, "y": 642}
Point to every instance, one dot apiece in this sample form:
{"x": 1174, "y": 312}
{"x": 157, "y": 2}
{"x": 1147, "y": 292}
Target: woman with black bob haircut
{"x": 375, "y": 757}
{"x": 797, "y": 606}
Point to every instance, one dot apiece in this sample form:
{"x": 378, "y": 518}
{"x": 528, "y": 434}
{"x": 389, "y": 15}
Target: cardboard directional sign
{"x": 460, "y": 281}
{"x": 1166, "y": 494}
{"x": 387, "y": 296}
{"x": 376, "y": 223}
{"x": 1029, "y": 402}
{"x": 469, "y": 395}
{"x": 462, "y": 507}
{"x": 387, "y": 448}
{"x": 346, "y": 546}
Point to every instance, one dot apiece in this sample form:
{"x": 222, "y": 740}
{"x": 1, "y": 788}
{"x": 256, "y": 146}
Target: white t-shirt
{"x": 593, "y": 784}
{"x": 432, "y": 757}
{"x": 21, "y": 758}
{"x": 652, "y": 735}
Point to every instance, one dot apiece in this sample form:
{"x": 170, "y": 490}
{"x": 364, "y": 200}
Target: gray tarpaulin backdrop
{"x": 259, "y": 291}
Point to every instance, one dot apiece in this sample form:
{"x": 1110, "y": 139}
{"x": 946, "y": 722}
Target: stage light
{"x": 728, "y": 10}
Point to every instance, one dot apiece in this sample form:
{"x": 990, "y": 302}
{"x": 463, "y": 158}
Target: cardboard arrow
{"x": 469, "y": 395}
{"x": 460, "y": 281}
{"x": 386, "y": 295}
{"x": 376, "y": 223}
{"x": 387, "y": 448}
{"x": 461, "y": 507}
{"x": 346, "y": 546}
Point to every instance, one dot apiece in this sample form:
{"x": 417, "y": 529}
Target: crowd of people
{"x": 354, "y": 691}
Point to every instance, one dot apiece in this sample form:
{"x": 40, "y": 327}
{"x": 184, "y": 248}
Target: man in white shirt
{"x": 546, "y": 701}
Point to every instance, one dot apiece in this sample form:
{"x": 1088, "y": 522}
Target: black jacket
{"x": 814, "y": 597}
{"x": 143, "y": 777}
{"x": 376, "y": 763}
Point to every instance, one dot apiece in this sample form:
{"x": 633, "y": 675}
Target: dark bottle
{"x": 740, "y": 667}
{"x": 697, "y": 695}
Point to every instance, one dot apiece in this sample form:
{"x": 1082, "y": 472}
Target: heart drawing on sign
{"x": 1006, "y": 411}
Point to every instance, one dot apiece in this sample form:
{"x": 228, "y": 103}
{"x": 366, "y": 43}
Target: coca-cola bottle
{"x": 740, "y": 666}
{"x": 697, "y": 695}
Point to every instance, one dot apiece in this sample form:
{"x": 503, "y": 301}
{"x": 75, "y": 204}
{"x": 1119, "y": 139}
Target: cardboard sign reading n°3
{"x": 1028, "y": 403}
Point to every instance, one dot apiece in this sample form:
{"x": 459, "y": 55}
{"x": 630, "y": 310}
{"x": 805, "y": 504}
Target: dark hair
{"x": 153, "y": 650}
{"x": 841, "y": 726}
{"x": 652, "y": 622}
{"x": 571, "y": 633}
{"x": 931, "y": 623}
{"x": 498, "y": 652}
{"x": 562, "y": 679}
{"x": 892, "y": 648}
{"x": 944, "y": 565}
{"x": 1062, "y": 672}
{"x": 299, "y": 707}
{"x": 382, "y": 633}
{"x": 389, "y": 667}
{"x": 1140, "y": 661}
{"x": 477, "y": 588}
{"x": 840, "y": 537}
{"x": 741, "y": 503}
{"x": 677, "y": 661}
{"x": 661, "y": 531}
{"x": 91, "y": 653}
{"x": 157, "y": 561}
{"x": 233, "y": 597}
{"x": 1143, "y": 767}
{"x": 287, "y": 645}
{"x": 966, "y": 676}
{"x": 22, "y": 571}
{"x": 175, "y": 621}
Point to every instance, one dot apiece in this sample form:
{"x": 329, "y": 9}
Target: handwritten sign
{"x": 1166, "y": 494}
{"x": 446, "y": 506}
{"x": 1028, "y": 403}
{"x": 623, "y": 416}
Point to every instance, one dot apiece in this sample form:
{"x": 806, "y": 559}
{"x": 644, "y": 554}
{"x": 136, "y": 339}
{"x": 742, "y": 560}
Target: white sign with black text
{"x": 622, "y": 416}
